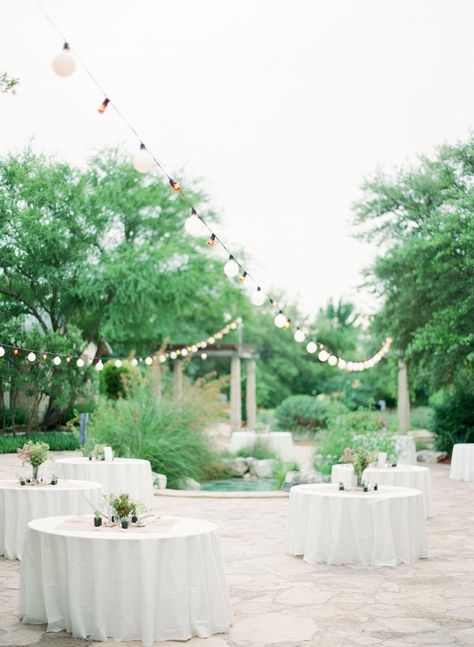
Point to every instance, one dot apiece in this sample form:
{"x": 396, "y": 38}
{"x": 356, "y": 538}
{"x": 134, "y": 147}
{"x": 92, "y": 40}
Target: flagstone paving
{"x": 281, "y": 601}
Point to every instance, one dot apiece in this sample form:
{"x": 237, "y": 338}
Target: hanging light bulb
{"x": 194, "y": 348}
{"x": 15, "y": 352}
{"x": 231, "y": 268}
{"x": 80, "y": 362}
{"x": 162, "y": 359}
{"x": 173, "y": 355}
{"x": 118, "y": 363}
{"x": 211, "y": 340}
{"x": 175, "y": 186}
{"x": 342, "y": 364}
{"x": 143, "y": 161}
{"x": 258, "y": 298}
{"x": 44, "y": 356}
{"x": 299, "y": 335}
{"x": 63, "y": 63}
{"x": 99, "y": 366}
{"x": 103, "y": 106}
{"x": 332, "y": 361}
{"x": 2, "y": 351}
{"x": 56, "y": 360}
{"x": 134, "y": 362}
{"x": 68, "y": 359}
{"x": 211, "y": 240}
{"x": 184, "y": 352}
{"x": 204, "y": 344}
{"x": 323, "y": 356}
{"x": 31, "y": 357}
{"x": 193, "y": 224}
{"x": 243, "y": 277}
{"x": 280, "y": 320}
{"x": 203, "y": 355}
{"x": 311, "y": 347}
{"x": 148, "y": 360}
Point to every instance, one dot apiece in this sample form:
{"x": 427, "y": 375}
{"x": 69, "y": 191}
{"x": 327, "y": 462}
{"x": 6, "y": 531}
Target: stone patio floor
{"x": 280, "y": 600}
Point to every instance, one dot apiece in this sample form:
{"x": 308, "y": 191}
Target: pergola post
{"x": 251, "y": 394}
{"x": 403, "y": 399}
{"x": 235, "y": 394}
{"x": 177, "y": 380}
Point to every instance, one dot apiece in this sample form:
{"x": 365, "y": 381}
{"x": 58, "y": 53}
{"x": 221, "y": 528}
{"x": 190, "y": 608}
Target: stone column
{"x": 235, "y": 394}
{"x": 177, "y": 380}
{"x": 403, "y": 399}
{"x": 251, "y": 397}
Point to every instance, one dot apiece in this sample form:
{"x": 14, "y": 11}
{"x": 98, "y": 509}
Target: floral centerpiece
{"x": 35, "y": 454}
{"x": 360, "y": 459}
{"x": 125, "y": 510}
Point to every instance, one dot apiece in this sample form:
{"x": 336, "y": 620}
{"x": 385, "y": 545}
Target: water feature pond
{"x": 240, "y": 485}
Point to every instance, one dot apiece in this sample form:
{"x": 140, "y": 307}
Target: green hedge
{"x": 57, "y": 441}
{"x": 453, "y": 419}
{"x": 306, "y": 413}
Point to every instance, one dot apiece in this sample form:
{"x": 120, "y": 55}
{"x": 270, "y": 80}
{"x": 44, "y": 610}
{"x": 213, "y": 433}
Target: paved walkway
{"x": 281, "y": 601}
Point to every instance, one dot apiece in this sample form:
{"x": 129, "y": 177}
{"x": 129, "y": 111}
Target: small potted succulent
{"x": 123, "y": 508}
{"x": 97, "y": 518}
{"x": 22, "y": 480}
{"x": 341, "y": 485}
{"x": 54, "y": 479}
{"x": 97, "y": 453}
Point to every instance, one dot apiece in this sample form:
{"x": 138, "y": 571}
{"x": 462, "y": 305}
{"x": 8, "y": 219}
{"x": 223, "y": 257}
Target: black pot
{"x": 97, "y": 521}
{"x": 124, "y": 524}
{"x": 394, "y": 464}
{"x": 55, "y": 482}
{"x": 90, "y": 458}
{"x": 22, "y": 482}
{"x": 341, "y": 486}
{"x": 134, "y": 518}
{"x": 376, "y": 487}
{"x": 366, "y": 488}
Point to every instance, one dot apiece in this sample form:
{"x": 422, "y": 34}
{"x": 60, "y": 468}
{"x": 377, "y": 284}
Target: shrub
{"x": 115, "y": 381}
{"x": 171, "y": 435}
{"x": 306, "y": 413}
{"x": 57, "y": 441}
{"x": 259, "y": 451}
{"x": 453, "y": 419}
{"x": 358, "y": 429}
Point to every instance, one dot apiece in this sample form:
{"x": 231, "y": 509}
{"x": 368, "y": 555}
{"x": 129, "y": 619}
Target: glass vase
{"x": 35, "y": 473}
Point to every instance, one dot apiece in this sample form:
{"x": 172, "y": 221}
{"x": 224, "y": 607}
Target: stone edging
{"x": 207, "y": 494}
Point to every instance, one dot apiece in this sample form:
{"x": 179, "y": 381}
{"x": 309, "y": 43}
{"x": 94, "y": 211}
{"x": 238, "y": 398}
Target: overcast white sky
{"x": 281, "y": 106}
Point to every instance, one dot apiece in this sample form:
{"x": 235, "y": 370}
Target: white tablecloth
{"x": 343, "y": 473}
{"x": 411, "y": 476}
{"x": 130, "y": 475}
{"x": 406, "y": 448}
{"x": 380, "y": 528}
{"x": 462, "y": 462}
{"x": 162, "y": 582}
{"x": 19, "y": 504}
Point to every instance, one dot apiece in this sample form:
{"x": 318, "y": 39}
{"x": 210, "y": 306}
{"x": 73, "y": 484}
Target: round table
{"x": 462, "y": 462}
{"x": 411, "y": 476}
{"x": 161, "y": 582}
{"x": 130, "y": 475}
{"x": 381, "y": 528}
{"x": 344, "y": 473}
{"x": 19, "y": 504}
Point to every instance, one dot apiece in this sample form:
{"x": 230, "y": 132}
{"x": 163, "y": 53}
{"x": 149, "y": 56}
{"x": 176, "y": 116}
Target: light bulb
{"x": 118, "y": 363}
{"x": 299, "y": 335}
{"x": 148, "y": 361}
{"x": 194, "y": 225}
{"x": 280, "y": 320}
{"x": 204, "y": 344}
{"x": 211, "y": 240}
{"x": 162, "y": 359}
{"x": 143, "y": 161}
{"x": 173, "y": 355}
{"x": 243, "y": 277}
{"x": 323, "y": 356}
{"x": 80, "y": 362}
{"x": 203, "y": 355}
{"x": 311, "y": 347}
{"x": 194, "y": 348}
{"x": 211, "y": 340}
{"x": 63, "y": 63}
{"x": 175, "y": 186}
{"x": 342, "y": 364}
{"x": 15, "y": 352}
{"x": 103, "y": 106}
{"x": 2, "y": 351}
{"x": 332, "y": 361}
{"x": 56, "y": 361}
{"x": 258, "y": 298}
{"x": 184, "y": 352}
{"x": 31, "y": 357}
{"x": 99, "y": 366}
{"x": 231, "y": 268}
{"x": 134, "y": 362}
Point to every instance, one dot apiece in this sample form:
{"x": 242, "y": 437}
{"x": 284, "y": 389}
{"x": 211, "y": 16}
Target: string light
{"x": 148, "y": 361}
{"x": 323, "y": 356}
{"x": 311, "y": 347}
{"x": 280, "y": 320}
{"x": 80, "y": 362}
{"x": 299, "y": 335}
{"x": 211, "y": 240}
{"x": 103, "y": 106}
{"x": 2, "y": 351}
{"x": 203, "y": 356}
{"x": 99, "y": 366}
{"x": 243, "y": 277}
{"x": 193, "y": 224}
{"x": 57, "y": 360}
{"x": 15, "y": 352}
{"x": 175, "y": 185}
{"x": 231, "y": 268}
{"x": 31, "y": 357}
{"x": 258, "y": 297}
{"x": 63, "y": 63}
{"x": 118, "y": 363}
{"x": 332, "y": 361}
{"x": 143, "y": 162}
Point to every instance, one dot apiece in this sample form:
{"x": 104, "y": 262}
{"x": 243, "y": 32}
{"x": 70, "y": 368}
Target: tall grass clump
{"x": 170, "y": 434}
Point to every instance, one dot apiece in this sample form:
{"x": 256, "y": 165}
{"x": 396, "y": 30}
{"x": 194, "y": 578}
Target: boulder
{"x": 262, "y": 469}
{"x": 190, "y": 484}
{"x": 293, "y": 478}
{"x": 159, "y": 480}
{"x": 314, "y": 477}
{"x": 430, "y": 456}
{"x": 237, "y": 466}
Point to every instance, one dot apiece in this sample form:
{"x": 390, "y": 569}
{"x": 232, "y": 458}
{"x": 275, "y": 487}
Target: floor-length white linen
{"x": 130, "y": 475}
{"x": 19, "y": 504}
{"x": 462, "y": 462}
{"x": 162, "y": 582}
{"x": 380, "y": 528}
{"x": 344, "y": 473}
{"x": 411, "y": 476}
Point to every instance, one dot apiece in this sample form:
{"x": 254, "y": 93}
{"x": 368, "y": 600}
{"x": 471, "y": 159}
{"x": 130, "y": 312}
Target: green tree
{"x": 422, "y": 220}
